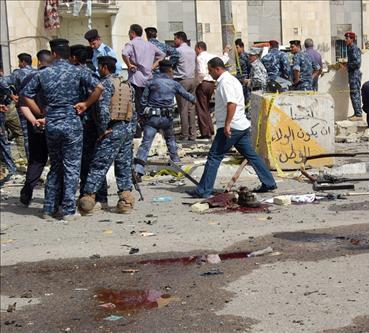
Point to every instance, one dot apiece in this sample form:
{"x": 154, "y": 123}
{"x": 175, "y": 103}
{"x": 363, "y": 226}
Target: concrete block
{"x": 199, "y": 207}
{"x": 282, "y": 200}
{"x": 290, "y": 126}
{"x": 335, "y": 83}
{"x": 365, "y": 136}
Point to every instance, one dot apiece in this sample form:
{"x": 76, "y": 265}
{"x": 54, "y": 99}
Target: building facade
{"x": 22, "y": 23}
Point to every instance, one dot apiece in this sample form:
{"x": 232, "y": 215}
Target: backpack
{"x": 122, "y": 102}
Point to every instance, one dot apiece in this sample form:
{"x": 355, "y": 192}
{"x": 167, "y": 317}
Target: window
{"x": 341, "y": 49}
{"x": 175, "y": 26}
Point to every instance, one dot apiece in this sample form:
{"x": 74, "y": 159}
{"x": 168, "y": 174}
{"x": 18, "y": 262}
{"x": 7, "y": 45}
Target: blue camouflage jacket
{"x": 303, "y": 63}
{"x": 354, "y": 58}
{"x": 17, "y": 76}
{"x": 103, "y": 109}
{"x": 160, "y": 92}
{"x": 277, "y": 64}
{"x": 169, "y": 51}
{"x": 61, "y": 85}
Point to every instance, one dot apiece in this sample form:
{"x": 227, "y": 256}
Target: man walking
{"x": 184, "y": 73}
{"x": 233, "y": 130}
{"x": 315, "y": 57}
{"x": 61, "y": 84}
{"x": 100, "y": 49}
{"x": 354, "y": 74}
{"x": 205, "y": 88}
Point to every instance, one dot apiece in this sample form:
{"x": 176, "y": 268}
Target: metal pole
{"x": 228, "y": 30}
{"x": 5, "y": 44}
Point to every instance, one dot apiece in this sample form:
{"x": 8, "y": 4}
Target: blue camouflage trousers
{"x": 89, "y": 143}
{"x": 5, "y": 154}
{"x": 355, "y": 93}
{"x": 151, "y": 127}
{"x": 64, "y": 142}
{"x": 115, "y": 147}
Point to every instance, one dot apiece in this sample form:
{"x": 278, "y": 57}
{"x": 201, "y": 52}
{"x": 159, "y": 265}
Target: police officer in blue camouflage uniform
{"x": 158, "y": 105}
{"x": 114, "y": 145}
{"x": 303, "y": 68}
{"x": 15, "y": 79}
{"x": 354, "y": 74}
{"x": 61, "y": 84}
{"x": 276, "y": 62}
{"x": 78, "y": 57}
{"x": 170, "y": 52}
{"x": 243, "y": 68}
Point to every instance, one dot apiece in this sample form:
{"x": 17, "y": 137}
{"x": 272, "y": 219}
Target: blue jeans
{"x": 151, "y": 127}
{"x": 221, "y": 145}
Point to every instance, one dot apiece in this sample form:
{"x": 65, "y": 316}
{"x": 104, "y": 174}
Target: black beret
{"x": 151, "y": 29}
{"x": 106, "y": 60}
{"x": 295, "y": 42}
{"x": 91, "y": 34}
{"x": 74, "y": 49}
{"x": 58, "y": 42}
{"x": 165, "y": 63}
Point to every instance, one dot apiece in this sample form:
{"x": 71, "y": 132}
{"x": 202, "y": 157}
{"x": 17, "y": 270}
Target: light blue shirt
{"x": 105, "y": 50}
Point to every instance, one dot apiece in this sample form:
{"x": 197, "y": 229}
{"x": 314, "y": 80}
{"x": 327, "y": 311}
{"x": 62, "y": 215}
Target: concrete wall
{"x": 308, "y": 19}
{"x": 264, "y": 20}
{"x": 365, "y": 7}
{"x": 143, "y": 12}
{"x": 239, "y": 9}
{"x": 177, "y": 15}
{"x": 208, "y": 12}
{"x": 26, "y": 28}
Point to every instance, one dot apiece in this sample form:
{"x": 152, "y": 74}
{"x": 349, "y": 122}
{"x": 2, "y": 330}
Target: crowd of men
{"x": 77, "y": 110}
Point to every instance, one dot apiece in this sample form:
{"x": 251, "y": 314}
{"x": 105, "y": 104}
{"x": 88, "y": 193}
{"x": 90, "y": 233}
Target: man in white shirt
{"x": 233, "y": 129}
{"x": 205, "y": 89}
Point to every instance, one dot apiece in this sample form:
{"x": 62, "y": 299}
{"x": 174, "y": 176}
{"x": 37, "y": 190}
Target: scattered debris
{"x": 108, "y": 232}
{"x": 113, "y": 318}
{"x": 130, "y": 271}
{"x": 80, "y": 289}
{"x": 260, "y": 252}
{"x": 133, "y": 250}
{"x": 109, "y": 306}
{"x": 27, "y": 294}
{"x": 246, "y": 198}
{"x": 282, "y": 200}
{"x": 222, "y": 200}
{"x": 213, "y": 259}
{"x": 11, "y": 307}
{"x": 162, "y": 199}
{"x": 95, "y": 256}
{"x": 212, "y": 272}
{"x": 199, "y": 207}
{"x": 147, "y": 234}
